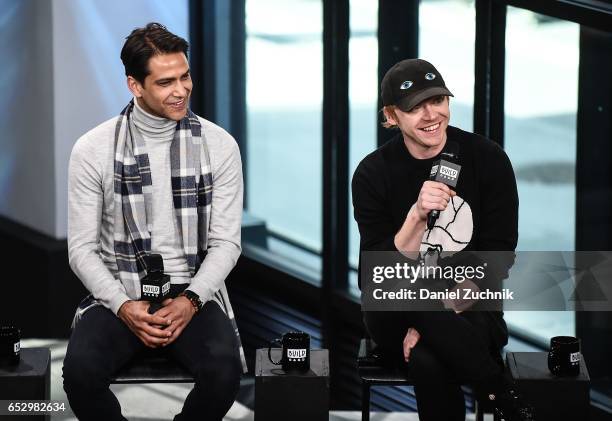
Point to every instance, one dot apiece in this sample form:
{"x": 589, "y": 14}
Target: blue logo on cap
{"x": 430, "y": 76}
{"x": 407, "y": 84}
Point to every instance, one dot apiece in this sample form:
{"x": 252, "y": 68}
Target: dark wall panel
{"x": 40, "y": 292}
{"x": 594, "y": 183}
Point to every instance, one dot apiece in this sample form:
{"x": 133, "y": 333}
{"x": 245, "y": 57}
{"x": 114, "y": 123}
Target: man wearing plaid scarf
{"x": 157, "y": 179}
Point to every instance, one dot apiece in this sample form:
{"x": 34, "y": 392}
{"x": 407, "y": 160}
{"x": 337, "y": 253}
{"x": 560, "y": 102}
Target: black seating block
{"x": 30, "y": 380}
{"x": 152, "y": 367}
{"x": 554, "y": 398}
{"x": 291, "y": 396}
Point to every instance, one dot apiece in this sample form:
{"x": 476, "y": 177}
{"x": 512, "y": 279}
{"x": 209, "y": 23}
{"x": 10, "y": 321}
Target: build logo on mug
{"x": 295, "y": 352}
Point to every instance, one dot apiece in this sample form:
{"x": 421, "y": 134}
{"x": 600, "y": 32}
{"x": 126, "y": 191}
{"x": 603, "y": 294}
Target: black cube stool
{"x": 30, "y": 380}
{"x": 281, "y": 396}
{"x": 373, "y": 372}
{"x": 152, "y": 366}
{"x": 553, "y": 398}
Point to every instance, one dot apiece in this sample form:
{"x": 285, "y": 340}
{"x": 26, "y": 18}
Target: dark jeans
{"x": 454, "y": 349}
{"x": 101, "y": 343}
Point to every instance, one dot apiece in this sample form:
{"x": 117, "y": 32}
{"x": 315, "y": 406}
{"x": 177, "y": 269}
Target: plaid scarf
{"x": 191, "y": 193}
{"x": 192, "y": 186}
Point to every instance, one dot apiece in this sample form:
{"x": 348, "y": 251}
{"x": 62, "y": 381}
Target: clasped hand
{"x": 433, "y": 195}
{"x": 161, "y": 328}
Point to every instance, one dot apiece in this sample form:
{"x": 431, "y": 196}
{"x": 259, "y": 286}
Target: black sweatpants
{"x": 454, "y": 349}
{"x": 101, "y": 343}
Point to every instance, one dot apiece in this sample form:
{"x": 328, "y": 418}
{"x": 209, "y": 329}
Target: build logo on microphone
{"x": 448, "y": 172}
{"x": 445, "y": 172}
{"x": 150, "y": 289}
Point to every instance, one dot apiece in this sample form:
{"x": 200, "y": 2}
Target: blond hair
{"x": 390, "y": 109}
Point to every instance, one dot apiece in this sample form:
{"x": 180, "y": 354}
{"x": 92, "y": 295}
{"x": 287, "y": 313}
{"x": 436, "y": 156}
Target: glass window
{"x": 284, "y": 77}
{"x": 446, "y": 39}
{"x": 363, "y": 100}
{"x": 541, "y": 98}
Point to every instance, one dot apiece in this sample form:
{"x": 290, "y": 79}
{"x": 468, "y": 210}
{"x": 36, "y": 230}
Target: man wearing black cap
{"x": 392, "y": 198}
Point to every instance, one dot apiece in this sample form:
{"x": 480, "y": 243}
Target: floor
{"x": 161, "y": 401}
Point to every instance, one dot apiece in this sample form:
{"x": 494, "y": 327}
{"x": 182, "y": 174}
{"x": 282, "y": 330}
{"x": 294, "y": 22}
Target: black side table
{"x": 30, "y": 380}
{"x": 295, "y": 397}
{"x": 554, "y": 398}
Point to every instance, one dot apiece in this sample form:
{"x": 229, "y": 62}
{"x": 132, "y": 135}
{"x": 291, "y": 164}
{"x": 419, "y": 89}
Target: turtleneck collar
{"x": 152, "y": 126}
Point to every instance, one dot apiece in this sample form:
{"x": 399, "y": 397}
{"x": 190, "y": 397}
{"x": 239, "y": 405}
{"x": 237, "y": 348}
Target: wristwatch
{"x": 194, "y": 298}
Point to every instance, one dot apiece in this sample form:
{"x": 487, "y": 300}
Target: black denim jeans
{"x": 454, "y": 349}
{"x": 101, "y": 343}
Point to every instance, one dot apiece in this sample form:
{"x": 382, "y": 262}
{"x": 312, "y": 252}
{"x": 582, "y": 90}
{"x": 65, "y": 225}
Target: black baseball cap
{"x": 410, "y": 82}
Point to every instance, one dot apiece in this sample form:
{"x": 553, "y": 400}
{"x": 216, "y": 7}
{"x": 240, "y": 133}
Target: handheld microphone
{"x": 155, "y": 286}
{"x": 445, "y": 170}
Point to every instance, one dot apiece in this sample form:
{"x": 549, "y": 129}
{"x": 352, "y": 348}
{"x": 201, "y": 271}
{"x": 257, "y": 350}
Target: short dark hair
{"x": 143, "y": 43}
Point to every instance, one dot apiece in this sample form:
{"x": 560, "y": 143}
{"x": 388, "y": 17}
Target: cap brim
{"x": 408, "y": 103}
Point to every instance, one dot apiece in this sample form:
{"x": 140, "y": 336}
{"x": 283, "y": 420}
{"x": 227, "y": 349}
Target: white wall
{"x": 63, "y": 58}
{"x": 27, "y": 188}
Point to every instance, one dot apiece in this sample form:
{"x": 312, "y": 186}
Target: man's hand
{"x": 180, "y": 311}
{"x": 459, "y": 305}
{"x": 144, "y": 325}
{"x": 433, "y": 195}
{"x": 410, "y": 341}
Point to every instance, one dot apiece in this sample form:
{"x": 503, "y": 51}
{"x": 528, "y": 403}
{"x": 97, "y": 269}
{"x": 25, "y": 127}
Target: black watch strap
{"x": 194, "y": 298}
